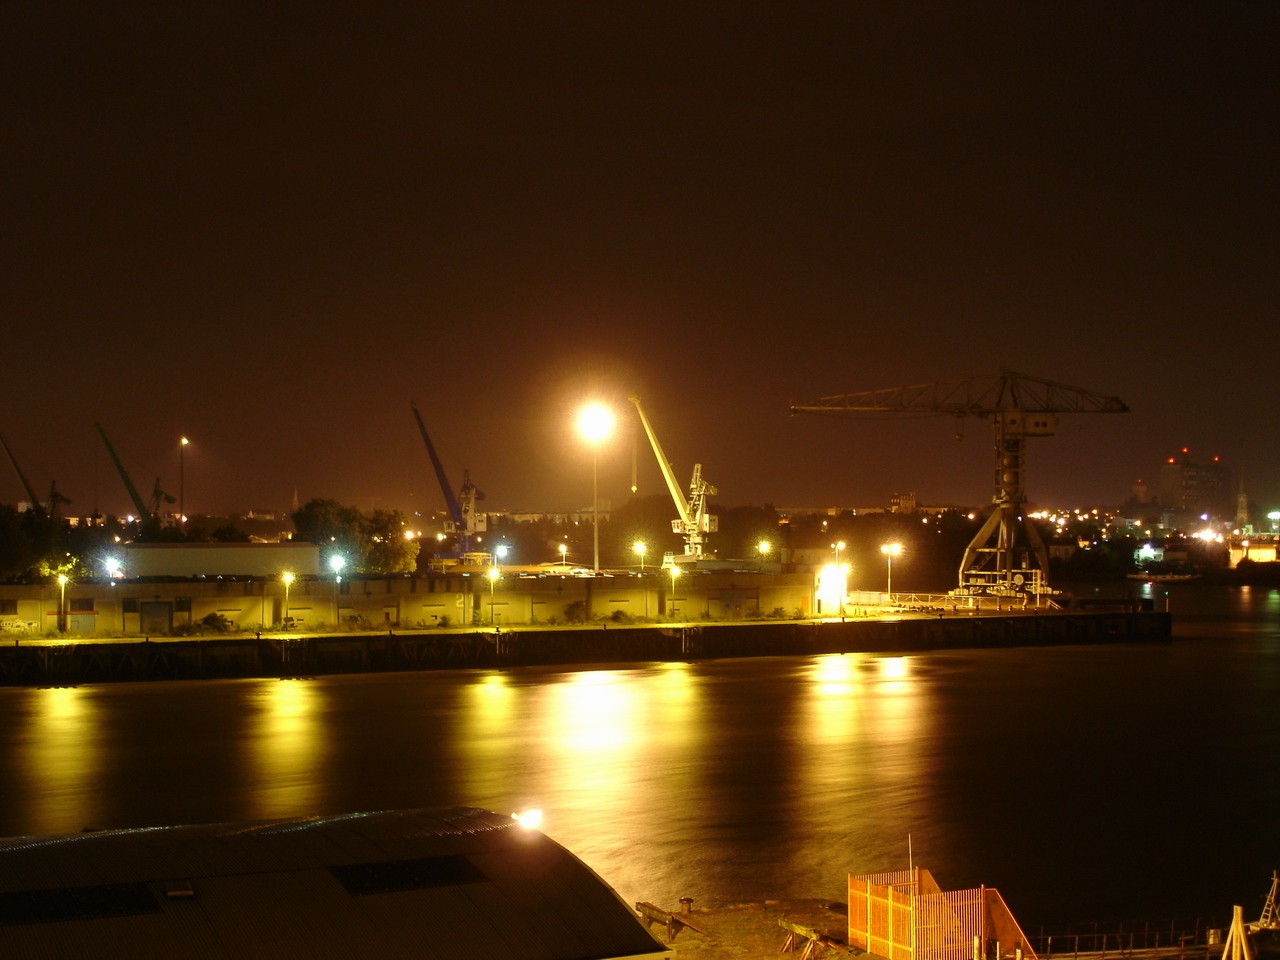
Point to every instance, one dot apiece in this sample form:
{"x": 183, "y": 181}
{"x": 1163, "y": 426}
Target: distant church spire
{"x": 1242, "y": 507}
{"x": 294, "y": 508}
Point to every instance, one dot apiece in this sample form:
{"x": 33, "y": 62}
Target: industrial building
{"x": 426, "y": 884}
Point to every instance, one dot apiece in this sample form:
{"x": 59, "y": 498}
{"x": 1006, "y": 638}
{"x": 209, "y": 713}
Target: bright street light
{"x": 336, "y": 563}
{"x": 595, "y": 424}
{"x": 640, "y": 548}
{"x": 837, "y": 547}
{"x": 564, "y": 554}
{"x": 763, "y": 548}
{"x": 890, "y": 550}
{"x": 62, "y": 603}
{"x": 493, "y": 575}
{"x": 288, "y": 582}
{"x": 182, "y": 480}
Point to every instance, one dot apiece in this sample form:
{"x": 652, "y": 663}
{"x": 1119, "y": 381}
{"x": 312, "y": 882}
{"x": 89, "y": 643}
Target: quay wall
{"x": 55, "y": 663}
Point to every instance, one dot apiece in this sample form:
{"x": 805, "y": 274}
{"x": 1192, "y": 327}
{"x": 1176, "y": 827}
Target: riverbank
{"x": 45, "y": 661}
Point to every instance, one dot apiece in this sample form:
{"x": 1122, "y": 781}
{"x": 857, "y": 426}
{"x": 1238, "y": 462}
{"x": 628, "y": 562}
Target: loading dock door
{"x": 155, "y": 616}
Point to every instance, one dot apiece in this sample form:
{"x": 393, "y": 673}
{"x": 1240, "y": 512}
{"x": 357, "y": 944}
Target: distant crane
{"x": 464, "y": 520}
{"x": 694, "y": 522}
{"x": 147, "y": 514}
{"x": 1007, "y": 556}
{"x": 42, "y": 509}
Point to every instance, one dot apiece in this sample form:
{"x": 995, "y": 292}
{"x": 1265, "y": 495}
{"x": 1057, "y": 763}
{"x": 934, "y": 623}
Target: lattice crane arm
{"x": 970, "y": 397}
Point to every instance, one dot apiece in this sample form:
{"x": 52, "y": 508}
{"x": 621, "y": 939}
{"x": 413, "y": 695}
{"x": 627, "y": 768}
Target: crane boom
{"x": 22, "y": 478}
{"x": 455, "y": 511}
{"x": 144, "y": 514}
{"x": 694, "y": 520}
{"x": 1007, "y": 556}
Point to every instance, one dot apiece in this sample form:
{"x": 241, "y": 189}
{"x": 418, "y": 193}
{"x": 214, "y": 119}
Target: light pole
{"x": 288, "y": 581}
{"x": 564, "y": 554}
{"x": 890, "y": 550}
{"x": 336, "y": 563}
{"x": 763, "y": 548}
{"x": 595, "y": 423}
{"x": 675, "y": 572}
{"x": 62, "y": 603}
{"x": 639, "y": 548}
{"x": 182, "y": 480}
{"x": 494, "y": 574}
{"x": 837, "y": 547}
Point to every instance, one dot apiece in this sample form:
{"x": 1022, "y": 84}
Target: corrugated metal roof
{"x": 425, "y": 884}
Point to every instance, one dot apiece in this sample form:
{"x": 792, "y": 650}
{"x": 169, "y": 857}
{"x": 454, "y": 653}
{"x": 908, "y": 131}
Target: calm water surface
{"x": 1083, "y": 782}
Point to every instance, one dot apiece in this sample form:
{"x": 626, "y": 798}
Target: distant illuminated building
{"x": 1187, "y": 487}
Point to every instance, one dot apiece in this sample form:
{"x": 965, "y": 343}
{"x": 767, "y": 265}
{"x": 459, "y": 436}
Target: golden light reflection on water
{"x": 284, "y": 747}
{"x": 858, "y": 700}
{"x": 490, "y": 738}
{"x": 60, "y": 760}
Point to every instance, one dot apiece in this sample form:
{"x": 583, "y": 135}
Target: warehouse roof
{"x": 408, "y": 883}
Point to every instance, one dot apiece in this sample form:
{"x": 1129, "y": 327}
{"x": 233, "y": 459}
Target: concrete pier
{"x": 47, "y": 663}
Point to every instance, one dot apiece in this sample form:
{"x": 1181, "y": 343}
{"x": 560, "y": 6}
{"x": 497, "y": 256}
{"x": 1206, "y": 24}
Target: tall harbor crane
{"x": 464, "y": 520}
{"x": 42, "y": 509}
{"x": 694, "y": 521}
{"x": 1007, "y": 556}
{"x": 148, "y": 514}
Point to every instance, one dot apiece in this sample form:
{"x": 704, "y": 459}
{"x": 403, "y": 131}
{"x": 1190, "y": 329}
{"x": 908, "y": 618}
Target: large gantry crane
{"x": 149, "y": 515}
{"x": 51, "y": 508}
{"x": 694, "y": 522}
{"x": 1007, "y": 556}
{"x": 464, "y": 520}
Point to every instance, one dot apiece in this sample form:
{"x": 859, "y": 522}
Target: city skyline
{"x": 270, "y": 232}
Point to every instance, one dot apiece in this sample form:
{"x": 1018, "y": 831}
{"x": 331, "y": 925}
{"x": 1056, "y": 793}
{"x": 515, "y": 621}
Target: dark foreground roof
{"x": 409, "y": 883}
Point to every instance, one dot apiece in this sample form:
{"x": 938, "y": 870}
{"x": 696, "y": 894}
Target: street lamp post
{"x": 837, "y": 547}
{"x": 62, "y": 603}
{"x": 564, "y": 555}
{"x": 494, "y": 574}
{"x": 595, "y": 423}
{"x": 182, "y": 480}
{"x": 675, "y": 572}
{"x": 336, "y": 563}
{"x": 763, "y": 548}
{"x": 890, "y": 550}
{"x": 640, "y": 548}
{"x": 288, "y": 581}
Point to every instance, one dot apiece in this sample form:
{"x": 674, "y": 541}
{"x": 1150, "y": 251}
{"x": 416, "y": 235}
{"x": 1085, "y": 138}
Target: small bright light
{"x": 675, "y": 571}
{"x": 408, "y": 534}
{"x": 764, "y": 547}
{"x": 287, "y": 577}
{"x": 62, "y": 579}
{"x": 529, "y": 819}
{"x": 502, "y": 551}
{"x": 891, "y": 549}
{"x": 113, "y": 567}
{"x": 639, "y": 547}
{"x": 493, "y": 573}
{"x": 439, "y": 537}
{"x": 337, "y": 562}
{"x": 595, "y": 422}
{"x": 185, "y": 441}
{"x": 1274, "y": 515}
{"x": 564, "y": 548}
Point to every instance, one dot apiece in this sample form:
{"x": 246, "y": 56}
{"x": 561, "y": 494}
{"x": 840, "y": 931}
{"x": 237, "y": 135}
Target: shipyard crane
{"x": 694, "y": 522}
{"x": 1007, "y": 556}
{"x": 147, "y": 514}
{"x": 54, "y": 497}
{"x": 464, "y": 520}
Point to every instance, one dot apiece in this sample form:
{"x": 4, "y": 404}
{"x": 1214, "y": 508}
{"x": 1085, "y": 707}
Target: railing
{"x": 1132, "y": 938}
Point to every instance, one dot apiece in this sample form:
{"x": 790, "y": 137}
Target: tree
{"x": 334, "y": 528}
{"x": 386, "y": 548}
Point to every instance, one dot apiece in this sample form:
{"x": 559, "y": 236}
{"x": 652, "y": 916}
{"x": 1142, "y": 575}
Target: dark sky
{"x": 270, "y": 230}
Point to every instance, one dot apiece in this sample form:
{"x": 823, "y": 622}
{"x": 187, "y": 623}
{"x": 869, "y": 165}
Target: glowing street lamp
{"x": 287, "y": 578}
{"x": 595, "y": 424}
{"x": 182, "y": 480}
{"x": 112, "y": 566}
{"x": 675, "y": 572}
{"x": 494, "y": 574}
{"x": 62, "y": 603}
{"x": 336, "y": 563}
{"x": 640, "y": 548}
{"x": 763, "y": 548}
{"x": 564, "y": 554}
{"x": 890, "y": 550}
{"x": 837, "y": 547}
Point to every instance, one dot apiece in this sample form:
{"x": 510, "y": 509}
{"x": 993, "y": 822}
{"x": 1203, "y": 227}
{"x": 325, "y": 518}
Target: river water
{"x": 1086, "y": 783}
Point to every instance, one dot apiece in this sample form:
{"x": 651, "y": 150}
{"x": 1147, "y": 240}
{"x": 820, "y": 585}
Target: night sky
{"x": 269, "y": 230}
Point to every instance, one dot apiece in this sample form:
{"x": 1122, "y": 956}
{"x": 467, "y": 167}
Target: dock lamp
{"x": 564, "y": 554}
{"x": 763, "y": 548}
{"x": 640, "y": 548}
{"x": 890, "y": 550}
{"x": 595, "y": 424}
{"x": 62, "y": 603}
{"x": 287, "y": 579}
{"x": 494, "y": 574}
{"x": 182, "y": 479}
{"x": 336, "y": 563}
